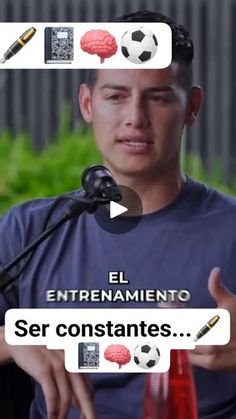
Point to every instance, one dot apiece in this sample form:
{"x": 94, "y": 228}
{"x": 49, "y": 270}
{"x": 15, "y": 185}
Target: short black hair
{"x": 182, "y": 45}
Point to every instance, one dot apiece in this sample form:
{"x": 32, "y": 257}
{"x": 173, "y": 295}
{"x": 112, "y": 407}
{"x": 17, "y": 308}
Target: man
{"x": 187, "y": 230}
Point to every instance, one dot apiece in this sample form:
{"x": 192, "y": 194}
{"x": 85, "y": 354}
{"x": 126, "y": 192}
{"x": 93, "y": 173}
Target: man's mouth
{"x": 136, "y": 141}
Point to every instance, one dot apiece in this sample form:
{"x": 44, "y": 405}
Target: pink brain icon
{"x": 117, "y": 353}
{"x": 100, "y": 42}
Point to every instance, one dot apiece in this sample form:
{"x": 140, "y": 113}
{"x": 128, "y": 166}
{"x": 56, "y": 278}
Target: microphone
{"x": 98, "y": 182}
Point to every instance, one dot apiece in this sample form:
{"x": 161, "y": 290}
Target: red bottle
{"x": 171, "y": 395}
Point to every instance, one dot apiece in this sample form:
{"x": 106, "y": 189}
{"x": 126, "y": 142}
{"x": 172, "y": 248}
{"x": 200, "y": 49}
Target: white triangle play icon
{"x": 116, "y": 209}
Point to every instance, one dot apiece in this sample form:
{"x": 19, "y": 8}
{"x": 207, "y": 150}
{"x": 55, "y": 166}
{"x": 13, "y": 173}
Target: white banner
{"x": 127, "y": 340}
{"x": 81, "y": 45}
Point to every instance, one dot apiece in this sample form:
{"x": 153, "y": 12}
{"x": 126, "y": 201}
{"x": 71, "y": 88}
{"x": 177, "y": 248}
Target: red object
{"x": 117, "y": 353}
{"x": 100, "y": 42}
{"x": 171, "y": 395}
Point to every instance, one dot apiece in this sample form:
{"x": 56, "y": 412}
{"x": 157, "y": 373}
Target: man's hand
{"x": 218, "y": 357}
{"x": 61, "y": 389}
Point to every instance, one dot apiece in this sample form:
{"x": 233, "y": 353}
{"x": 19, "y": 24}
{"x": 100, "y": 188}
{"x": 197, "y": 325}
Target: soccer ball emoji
{"x": 146, "y": 356}
{"x": 139, "y": 45}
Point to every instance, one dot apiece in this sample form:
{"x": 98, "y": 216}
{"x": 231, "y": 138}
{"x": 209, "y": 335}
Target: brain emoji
{"x": 100, "y": 42}
{"x": 117, "y": 353}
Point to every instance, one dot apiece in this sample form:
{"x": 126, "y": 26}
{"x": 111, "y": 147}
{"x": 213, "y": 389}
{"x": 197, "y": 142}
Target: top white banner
{"x": 80, "y": 45}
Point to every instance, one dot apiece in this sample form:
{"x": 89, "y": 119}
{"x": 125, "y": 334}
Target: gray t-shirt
{"x": 174, "y": 248}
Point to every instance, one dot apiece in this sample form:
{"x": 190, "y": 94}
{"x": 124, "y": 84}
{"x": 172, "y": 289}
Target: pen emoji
{"x": 206, "y": 328}
{"x": 18, "y": 44}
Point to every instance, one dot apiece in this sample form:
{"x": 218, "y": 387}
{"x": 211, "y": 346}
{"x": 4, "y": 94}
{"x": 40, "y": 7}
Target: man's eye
{"x": 163, "y": 100}
{"x": 158, "y": 98}
{"x": 114, "y": 97}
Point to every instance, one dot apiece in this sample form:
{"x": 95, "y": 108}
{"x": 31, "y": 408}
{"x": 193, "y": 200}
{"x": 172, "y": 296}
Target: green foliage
{"x": 25, "y": 174}
{"x": 192, "y": 165}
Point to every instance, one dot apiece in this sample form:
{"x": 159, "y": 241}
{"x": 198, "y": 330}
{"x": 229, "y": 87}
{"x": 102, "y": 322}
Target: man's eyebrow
{"x": 152, "y": 89}
{"x": 160, "y": 89}
{"x": 114, "y": 86}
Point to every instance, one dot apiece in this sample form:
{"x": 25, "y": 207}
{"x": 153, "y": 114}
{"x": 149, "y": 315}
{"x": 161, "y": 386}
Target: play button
{"x": 116, "y": 209}
{"x": 123, "y": 216}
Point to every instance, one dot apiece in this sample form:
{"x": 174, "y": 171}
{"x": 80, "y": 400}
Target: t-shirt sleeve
{"x": 10, "y": 246}
{"x": 18, "y": 228}
{"x": 8, "y": 299}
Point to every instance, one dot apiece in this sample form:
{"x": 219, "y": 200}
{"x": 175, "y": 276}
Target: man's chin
{"x": 137, "y": 171}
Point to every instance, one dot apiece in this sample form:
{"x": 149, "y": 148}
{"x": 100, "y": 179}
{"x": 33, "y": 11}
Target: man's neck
{"x": 155, "y": 193}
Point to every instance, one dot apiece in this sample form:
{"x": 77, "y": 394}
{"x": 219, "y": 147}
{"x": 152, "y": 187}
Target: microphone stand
{"x": 74, "y": 210}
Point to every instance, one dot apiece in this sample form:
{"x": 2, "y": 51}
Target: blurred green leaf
{"x": 25, "y": 174}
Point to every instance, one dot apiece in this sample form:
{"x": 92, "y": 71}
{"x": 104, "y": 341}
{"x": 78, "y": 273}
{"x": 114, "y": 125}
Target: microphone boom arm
{"x": 74, "y": 210}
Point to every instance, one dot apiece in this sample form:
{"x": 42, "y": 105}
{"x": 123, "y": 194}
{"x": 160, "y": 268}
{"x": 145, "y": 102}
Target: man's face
{"x": 137, "y": 117}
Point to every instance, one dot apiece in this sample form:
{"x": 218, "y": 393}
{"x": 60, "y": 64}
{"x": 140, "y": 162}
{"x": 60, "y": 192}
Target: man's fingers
{"x": 204, "y": 361}
{"x": 217, "y": 290}
{"x": 60, "y": 387}
{"x": 204, "y": 350}
{"x": 62, "y": 382}
{"x": 214, "y": 361}
{"x": 47, "y": 368}
{"x": 83, "y": 395}
{"x": 210, "y": 349}
{"x": 56, "y": 385}
{"x": 89, "y": 385}
{"x": 51, "y": 395}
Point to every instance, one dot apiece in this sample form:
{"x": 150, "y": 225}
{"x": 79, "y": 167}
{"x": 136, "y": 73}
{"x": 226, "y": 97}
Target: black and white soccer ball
{"x": 146, "y": 356}
{"x": 139, "y": 45}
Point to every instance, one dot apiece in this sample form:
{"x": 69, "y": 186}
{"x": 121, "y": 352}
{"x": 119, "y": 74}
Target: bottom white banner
{"x": 117, "y": 340}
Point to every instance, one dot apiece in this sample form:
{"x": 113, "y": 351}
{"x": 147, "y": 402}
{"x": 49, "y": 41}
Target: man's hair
{"x": 182, "y": 45}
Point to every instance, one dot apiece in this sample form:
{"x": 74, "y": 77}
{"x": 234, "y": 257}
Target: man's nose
{"x": 136, "y": 114}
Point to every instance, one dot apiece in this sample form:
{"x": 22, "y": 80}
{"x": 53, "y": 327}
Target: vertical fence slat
{"x": 224, "y": 86}
{"x": 17, "y": 79}
{"x": 212, "y": 84}
{"x": 60, "y": 8}
{"x": 233, "y": 89}
{"x": 3, "y": 74}
{"x": 196, "y": 28}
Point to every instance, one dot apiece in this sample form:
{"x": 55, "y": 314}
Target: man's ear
{"x": 195, "y": 99}
{"x": 85, "y": 103}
